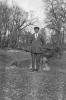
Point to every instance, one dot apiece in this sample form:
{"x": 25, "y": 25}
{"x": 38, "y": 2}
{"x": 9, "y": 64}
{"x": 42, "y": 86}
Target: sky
{"x": 35, "y": 5}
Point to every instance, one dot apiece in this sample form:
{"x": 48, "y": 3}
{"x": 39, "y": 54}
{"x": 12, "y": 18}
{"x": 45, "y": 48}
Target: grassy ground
{"x": 7, "y": 57}
{"x": 58, "y": 62}
{"x": 22, "y": 84}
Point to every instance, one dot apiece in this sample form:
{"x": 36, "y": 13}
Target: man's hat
{"x": 36, "y": 28}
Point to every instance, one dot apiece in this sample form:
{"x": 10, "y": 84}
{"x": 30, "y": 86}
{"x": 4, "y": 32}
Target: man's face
{"x": 36, "y": 30}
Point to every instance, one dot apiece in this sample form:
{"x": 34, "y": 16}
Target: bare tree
{"x": 18, "y": 23}
{"x": 56, "y": 18}
{"x": 13, "y": 24}
{"x": 4, "y": 21}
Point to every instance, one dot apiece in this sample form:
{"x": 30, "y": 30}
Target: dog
{"x": 44, "y": 64}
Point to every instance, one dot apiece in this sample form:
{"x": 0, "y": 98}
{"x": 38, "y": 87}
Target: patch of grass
{"x": 7, "y": 57}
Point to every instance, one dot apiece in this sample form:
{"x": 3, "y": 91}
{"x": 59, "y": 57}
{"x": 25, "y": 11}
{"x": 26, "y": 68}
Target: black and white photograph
{"x": 32, "y": 49}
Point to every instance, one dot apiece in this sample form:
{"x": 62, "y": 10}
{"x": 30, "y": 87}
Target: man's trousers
{"x": 36, "y": 57}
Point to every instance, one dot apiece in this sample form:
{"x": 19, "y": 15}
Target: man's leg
{"x": 38, "y": 57}
{"x": 33, "y": 61}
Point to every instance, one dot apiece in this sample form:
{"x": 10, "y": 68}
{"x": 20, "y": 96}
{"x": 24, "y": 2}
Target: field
{"x": 18, "y": 83}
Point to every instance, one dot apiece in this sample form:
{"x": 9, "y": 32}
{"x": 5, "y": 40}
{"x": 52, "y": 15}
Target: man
{"x": 36, "y": 44}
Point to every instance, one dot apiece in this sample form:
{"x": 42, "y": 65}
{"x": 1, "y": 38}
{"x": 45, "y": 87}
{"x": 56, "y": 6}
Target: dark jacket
{"x": 36, "y": 44}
